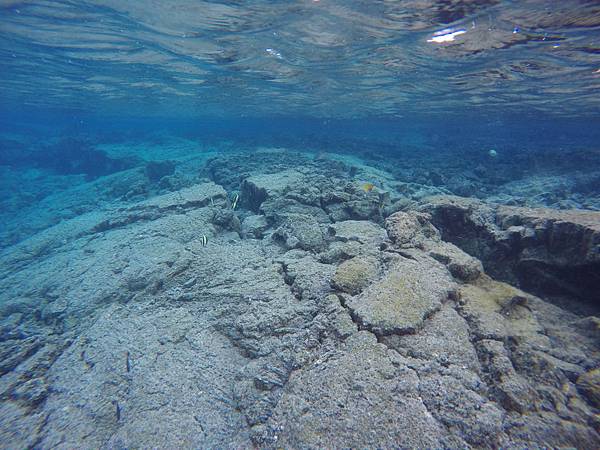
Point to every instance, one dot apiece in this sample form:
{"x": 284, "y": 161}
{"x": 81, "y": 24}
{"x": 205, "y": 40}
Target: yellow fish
{"x": 368, "y": 187}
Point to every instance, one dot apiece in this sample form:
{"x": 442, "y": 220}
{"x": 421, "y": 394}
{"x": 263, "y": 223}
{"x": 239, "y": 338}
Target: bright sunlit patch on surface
{"x": 274, "y": 53}
{"x": 446, "y": 35}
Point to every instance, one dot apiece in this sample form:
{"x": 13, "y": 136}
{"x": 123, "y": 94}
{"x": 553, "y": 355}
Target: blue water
{"x": 112, "y": 109}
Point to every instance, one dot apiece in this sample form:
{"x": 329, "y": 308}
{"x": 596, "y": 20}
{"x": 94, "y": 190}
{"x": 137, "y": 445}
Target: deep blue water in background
{"x": 378, "y": 79}
{"x": 466, "y": 132}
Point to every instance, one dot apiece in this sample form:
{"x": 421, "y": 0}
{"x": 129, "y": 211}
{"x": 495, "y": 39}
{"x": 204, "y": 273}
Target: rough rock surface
{"x": 552, "y": 253}
{"x": 398, "y": 303}
{"x": 357, "y": 396}
{"x": 254, "y": 226}
{"x": 300, "y": 231}
{"x": 414, "y": 229}
{"x": 354, "y": 275}
{"x": 301, "y": 322}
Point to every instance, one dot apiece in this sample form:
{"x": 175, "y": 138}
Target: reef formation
{"x": 314, "y": 314}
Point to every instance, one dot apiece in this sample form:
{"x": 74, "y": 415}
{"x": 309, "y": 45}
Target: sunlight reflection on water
{"x": 324, "y": 58}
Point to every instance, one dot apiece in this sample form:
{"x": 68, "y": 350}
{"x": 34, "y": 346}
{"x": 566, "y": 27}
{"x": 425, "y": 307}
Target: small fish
{"x": 203, "y": 240}
{"x": 493, "y": 153}
{"x": 234, "y": 200}
{"x": 368, "y": 187}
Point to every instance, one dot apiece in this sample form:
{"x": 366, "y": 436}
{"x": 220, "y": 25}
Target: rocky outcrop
{"x": 254, "y": 226}
{"x": 257, "y": 189}
{"x": 126, "y": 328}
{"x": 414, "y": 229}
{"x": 548, "y": 252}
{"x": 300, "y": 231}
{"x": 342, "y": 401}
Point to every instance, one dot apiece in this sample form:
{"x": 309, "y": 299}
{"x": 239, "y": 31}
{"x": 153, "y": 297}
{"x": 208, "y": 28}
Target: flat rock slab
{"x": 445, "y": 338}
{"x": 194, "y": 196}
{"x": 398, "y": 303}
{"x": 345, "y": 402}
{"x": 145, "y": 377}
{"x": 362, "y": 231}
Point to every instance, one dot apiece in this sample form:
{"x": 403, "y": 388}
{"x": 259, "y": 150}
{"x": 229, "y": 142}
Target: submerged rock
{"x": 411, "y": 229}
{"x": 548, "y": 252}
{"x": 398, "y": 303}
{"x": 589, "y": 384}
{"x": 346, "y": 400}
{"x": 414, "y": 229}
{"x": 300, "y": 231}
{"x": 461, "y": 265}
{"x": 258, "y": 188}
{"x": 254, "y": 226}
{"x": 155, "y": 170}
{"x": 354, "y": 275}
{"x": 123, "y": 327}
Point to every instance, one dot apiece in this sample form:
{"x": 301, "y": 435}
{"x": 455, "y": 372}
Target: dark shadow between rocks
{"x": 552, "y": 254}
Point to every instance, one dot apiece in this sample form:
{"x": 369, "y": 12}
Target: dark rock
{"x": 77, "y": 156}
{"x": 155, "y": 170}
{"x": 548, "y": 252}
{"x": 589, "y": 384}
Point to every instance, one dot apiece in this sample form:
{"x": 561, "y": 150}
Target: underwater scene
{"x": 302, "y": 224}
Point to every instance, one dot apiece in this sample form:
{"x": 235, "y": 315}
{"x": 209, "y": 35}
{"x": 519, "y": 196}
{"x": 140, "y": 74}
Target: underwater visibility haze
{"x": 299, "y": 224}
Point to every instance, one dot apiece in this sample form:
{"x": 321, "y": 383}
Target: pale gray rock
{"x": 461, "y": 265}
{"x": 300, "y": 231}
{"x": 254, "y": 226}
{"x": 259, "y": 188}
{"x": 444, "y": 338}
{"x": 352, "y": 398}
{"x": 411, "y": 229}
{"x": 121, "y": 327}
{"x": 362, "y": 231}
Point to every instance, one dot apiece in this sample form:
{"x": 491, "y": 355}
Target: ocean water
{"x": 299, "y": 224}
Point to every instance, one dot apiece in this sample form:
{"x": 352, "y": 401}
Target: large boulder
{"x": 259, "y": 188}
{"x": 413, "y": 229}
